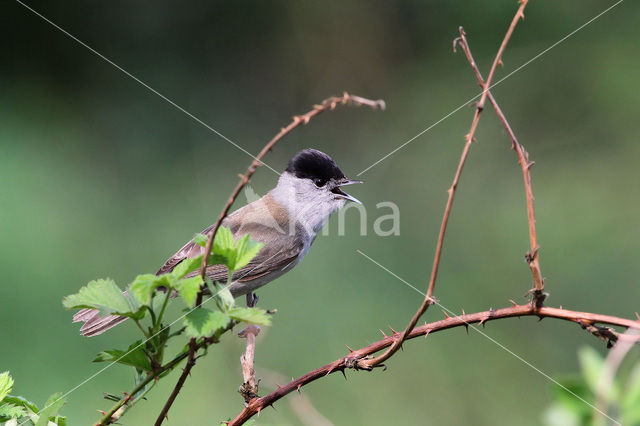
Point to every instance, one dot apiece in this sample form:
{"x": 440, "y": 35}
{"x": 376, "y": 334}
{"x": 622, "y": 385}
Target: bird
{"x": 286, "y": 221}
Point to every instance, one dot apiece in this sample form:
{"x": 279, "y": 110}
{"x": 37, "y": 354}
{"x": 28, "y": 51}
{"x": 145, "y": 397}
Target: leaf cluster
{"x": 14, "y": 409}
{"x": 146, "y": 298}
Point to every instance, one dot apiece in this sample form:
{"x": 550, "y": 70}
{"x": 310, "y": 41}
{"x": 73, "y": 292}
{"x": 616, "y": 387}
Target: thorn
{"x": 298, "y": 388}
{"x": 561, "y": 307}
{"x": 394, "y": 332}
{"x": 258, "y": 411}
{"x": 102, "y": 412}
{"x": 333, "y": 367}
{"x": 463, "y": 312}
{"x": 513, "y": 303}
{"x": 350, "y": 350}
{"x": 638, "y": 316}
{"x": 483, "y": 320}
{"x": 427, "y": 333}
{"x": 500, "y": 62}
{"x": 530, "y": 164}
{"x": 466, "y": 325}
{"x": 344, "y": 374}
{"x": 278, "y": 385}
{"x": 272, "y": 406}
{"x": 445, "y": 314}
{"x": 385, "y": 334}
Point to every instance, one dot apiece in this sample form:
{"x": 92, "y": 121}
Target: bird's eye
{"x": 319, "y": 182}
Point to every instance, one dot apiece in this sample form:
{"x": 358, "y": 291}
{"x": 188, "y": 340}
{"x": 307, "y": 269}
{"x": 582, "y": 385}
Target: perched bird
{"x": 286, "y": 220}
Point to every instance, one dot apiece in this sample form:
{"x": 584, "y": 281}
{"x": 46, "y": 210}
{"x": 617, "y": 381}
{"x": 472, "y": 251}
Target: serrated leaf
{"x": 21, "y": 402}
{"x": 591, "y": 363}
{"x": 188, "y": 289}
{"x": 142, "y": 288}
{"x": 203, "y": 322}
{"x": 51, "y": 408}
{"x": 187, "y": 266}
{"x": 223, "y": 241}
{"x": 133, "y": 356}
{"x": 245, "y": 251}
{"x": 102, "y": 294}
{"x": 10, "y": 411}
{"x": 6, "y": 384}
{"x": 251, "y": 315}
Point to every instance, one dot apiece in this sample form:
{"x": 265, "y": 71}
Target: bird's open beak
{"x": 343, "y": 194}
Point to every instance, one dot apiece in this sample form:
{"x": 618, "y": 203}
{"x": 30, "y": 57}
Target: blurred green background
{"x": 101, "y": 177}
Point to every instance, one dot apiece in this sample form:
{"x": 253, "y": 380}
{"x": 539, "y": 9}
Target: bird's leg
{"x": 249, "y": 388}
{"x": 252, "y": 300}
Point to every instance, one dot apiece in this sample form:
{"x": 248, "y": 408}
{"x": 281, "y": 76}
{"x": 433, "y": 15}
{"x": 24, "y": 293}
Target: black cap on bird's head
{"x": 321, "y": 170}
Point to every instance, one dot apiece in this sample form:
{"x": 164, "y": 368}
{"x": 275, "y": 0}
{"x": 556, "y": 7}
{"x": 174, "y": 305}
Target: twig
{"x": 249, "y": 388}
{"x": 532, "y": 256}
{"x": 351, "y": 360}
{"x": 368, "y": 364}
{"x": 327, "y": 104}
{"x": 110, "y": 416}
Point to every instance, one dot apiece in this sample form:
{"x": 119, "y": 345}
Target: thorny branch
{"x": 593, "y": 323}
{"x": 328, "y": 104}
{"x": 368, "y": 364}
{"x": 525, "y": 164}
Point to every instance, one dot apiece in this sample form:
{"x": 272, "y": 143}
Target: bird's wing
{"x": 266, "y": 221}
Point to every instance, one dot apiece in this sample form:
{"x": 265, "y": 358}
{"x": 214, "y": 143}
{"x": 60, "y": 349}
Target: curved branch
{"x": 588, "y": 321}
{"x": 368, "y": 364}
{"x": 523, "y": 158}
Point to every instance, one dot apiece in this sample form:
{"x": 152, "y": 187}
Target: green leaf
{"x": 203, "y": 322}
{"x": 566, "y": 397}
{"x": 591, "y": 363}
{"x": 251, "y": 315}
{"x": 133, "y": 356}
{"x": 187, "y": 266}
{"x": 142, "y": 288}
{"x": 102, "y": 294}
{"x": 6, "y": 384}
{"x": 245, "y": 251}
{"x": 51, "y": 408}
{"x": 223, "y": 241}
{"x": 200, "y": 239}
{"x": 22, "y": 402}
{"x": 224, "y": 252}
{"x": 225, "y": 298}
{"x": 9, "y": 411}
{"x": 188, "y": 289}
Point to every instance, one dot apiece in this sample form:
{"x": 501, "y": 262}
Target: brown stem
{"x": 523, "y": 158}
{"x": 191, "y": 361}
{"x": 368, "y": 364}
{"x": 249, "y": 388}
{"x": 588, "y": 321}
{"x": 327, "y": 104}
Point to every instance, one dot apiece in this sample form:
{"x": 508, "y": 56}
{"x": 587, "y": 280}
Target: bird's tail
{"x": 95, "y": 324}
